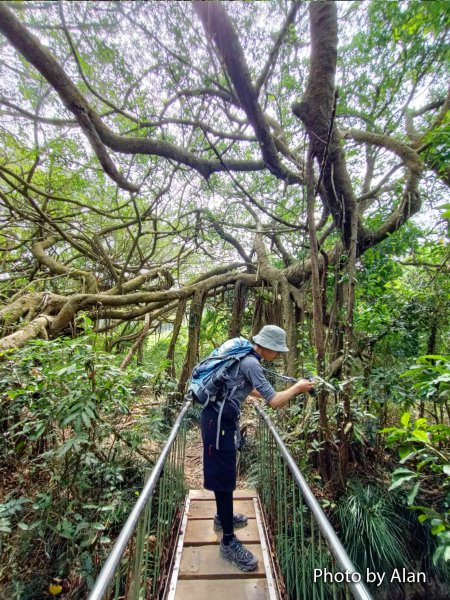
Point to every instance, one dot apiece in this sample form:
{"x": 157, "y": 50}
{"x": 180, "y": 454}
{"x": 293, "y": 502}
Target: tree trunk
{"x": 195, "y": 319}
{"x": 319, "y": 338}
{"x": 181, "y": 308}
{"x": 344, "y": 431}
{"x": 239, "y": 299}
{"x": 137, "y": 344}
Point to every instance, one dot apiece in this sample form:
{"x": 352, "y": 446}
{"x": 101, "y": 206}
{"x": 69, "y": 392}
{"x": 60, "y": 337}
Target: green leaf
{"x": 86, "y": 420}
{"x": 421, "y": 435}
{"x": 407, "y": 456}
{"x": 413, "y": 493}
{"x": 405, "y": 420}
{"x": 438, "y": 528}
{"x": 358, "y": 433}
{"x": 400, "y": 476}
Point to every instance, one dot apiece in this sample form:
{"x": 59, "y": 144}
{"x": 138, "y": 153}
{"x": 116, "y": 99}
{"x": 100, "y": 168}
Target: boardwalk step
{"x": 204, "y": 562}
{"x": 246, "y": 494}
{"x": 200, "y": 532}
{"x": 205, "y": 509}
{"x": 242, "y": 589}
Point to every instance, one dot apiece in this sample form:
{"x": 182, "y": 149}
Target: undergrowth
{"x": 73, "y": 460}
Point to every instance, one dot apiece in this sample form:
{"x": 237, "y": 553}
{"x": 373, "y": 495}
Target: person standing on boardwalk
{"x": 219, "y": 460}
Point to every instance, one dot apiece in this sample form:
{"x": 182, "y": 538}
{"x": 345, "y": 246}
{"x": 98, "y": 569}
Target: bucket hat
{"x": 272, "y": 337}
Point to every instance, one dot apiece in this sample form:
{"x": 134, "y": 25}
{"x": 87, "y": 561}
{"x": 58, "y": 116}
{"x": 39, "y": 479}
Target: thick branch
{"x": 55, "y": 267}
{"x": 99, "y": 134}
{"x": 220, "y": 30}
{"x": 37, "y": 327}
{"x": 30, "y": 47}
{"x": 316, "y": 109}
{"x": 410, "y": 203}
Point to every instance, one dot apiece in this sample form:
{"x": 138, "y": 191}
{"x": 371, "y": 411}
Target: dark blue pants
{"x": 219, "y": 466}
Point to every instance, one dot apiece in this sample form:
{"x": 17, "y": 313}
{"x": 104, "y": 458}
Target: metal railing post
{"x": 320, "y": 529}
{"x": 109, "y": 569}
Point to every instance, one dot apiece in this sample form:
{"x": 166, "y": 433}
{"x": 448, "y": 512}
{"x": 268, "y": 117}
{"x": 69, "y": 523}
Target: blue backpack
{"x": 208, "y": 383}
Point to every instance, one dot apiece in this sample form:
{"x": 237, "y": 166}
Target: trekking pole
{"x": 334, "y": 388}
{"x": 312, "y": 391}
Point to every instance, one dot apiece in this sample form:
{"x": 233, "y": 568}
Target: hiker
{"x": 219, "y": 443}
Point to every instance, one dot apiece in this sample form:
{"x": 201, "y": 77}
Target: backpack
{"x": 207, "y": 385}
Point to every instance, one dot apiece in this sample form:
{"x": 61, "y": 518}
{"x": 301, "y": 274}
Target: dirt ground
{"x": 193, "y": 469}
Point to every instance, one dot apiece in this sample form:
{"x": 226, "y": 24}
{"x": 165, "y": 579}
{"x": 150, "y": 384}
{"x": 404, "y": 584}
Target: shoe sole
{"x": 235, "y": 526}
{"x": 240, "y": 567}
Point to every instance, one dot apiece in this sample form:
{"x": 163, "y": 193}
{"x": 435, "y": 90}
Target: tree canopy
{"x": 161, "y": 153}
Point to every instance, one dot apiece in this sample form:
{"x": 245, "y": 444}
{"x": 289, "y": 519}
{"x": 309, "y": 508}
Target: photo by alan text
{"x": 397, "y": 576}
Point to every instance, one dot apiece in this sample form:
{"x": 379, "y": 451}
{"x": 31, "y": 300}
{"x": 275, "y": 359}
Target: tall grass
{"x": 372, "y": 528}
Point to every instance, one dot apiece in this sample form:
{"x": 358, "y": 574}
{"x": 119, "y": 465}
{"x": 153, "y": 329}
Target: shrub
{"x": 71, "y": 465}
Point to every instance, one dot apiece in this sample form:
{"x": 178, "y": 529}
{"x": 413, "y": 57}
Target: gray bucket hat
{"x": 272, "y": 337}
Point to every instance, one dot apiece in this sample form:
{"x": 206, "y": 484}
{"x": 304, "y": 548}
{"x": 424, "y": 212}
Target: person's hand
{"x": 303, "y": 386}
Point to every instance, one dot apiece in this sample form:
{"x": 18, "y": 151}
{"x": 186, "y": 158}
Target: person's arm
{"x": 281, "y": 398}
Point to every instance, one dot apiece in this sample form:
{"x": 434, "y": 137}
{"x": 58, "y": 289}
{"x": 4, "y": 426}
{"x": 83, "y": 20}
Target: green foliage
{"x": 298, "y": 564}
{"x": 385, "y": 387}
{"x": 425, "y": 448}
{"x": 431, "y": 377}
{"x": 69, "y": 481}
{"x": 407, "y": 46}
{"x": 215, "y": 326}
{"x": 372, "y": 528}
{"x": 155, "y": 361}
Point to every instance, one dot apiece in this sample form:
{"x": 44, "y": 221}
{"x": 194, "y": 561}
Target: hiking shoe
{"x": 238, "y": 522}
{"x": 238, "y": 554}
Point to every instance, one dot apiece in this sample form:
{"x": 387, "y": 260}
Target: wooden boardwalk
{"x": 200, "y": 574}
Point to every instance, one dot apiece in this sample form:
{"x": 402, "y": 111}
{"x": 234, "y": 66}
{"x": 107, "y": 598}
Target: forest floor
{"x": 193, "y": 468}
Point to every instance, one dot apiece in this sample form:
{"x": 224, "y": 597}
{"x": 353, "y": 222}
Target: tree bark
{"x": 195, "y": 319}
{"x": 316, "y": 110}
{"x": 137, "y": 344}
{"x": 239, "y": 299}
{"x": 318, "y": 325}
{"x": 32, "y": 330}
{"x": 281, "y": 286}
{"x": 181, "y": 308}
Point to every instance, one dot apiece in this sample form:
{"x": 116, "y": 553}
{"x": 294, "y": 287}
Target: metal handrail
{"x": 358, "y": 589}
{"x": 108, "y": 570}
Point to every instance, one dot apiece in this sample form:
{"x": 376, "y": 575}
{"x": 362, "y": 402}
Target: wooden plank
{"x": 226, "y": 589}
{"x": 246, "y": 494}
{"x": 202, "y": 574}
{"x": 170, "y": 592}
{"x": 271, "y": 585}
{"x": 204, "y": 562}
{"x": 206, "y": 509}
{"x": 200, "y": 532}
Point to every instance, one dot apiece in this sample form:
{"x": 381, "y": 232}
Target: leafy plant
{"x": 71, "y": 463}
{"x": 372, "y": 530}
{"x": 423, "y": 447}
{"x": 431, "y": 378}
